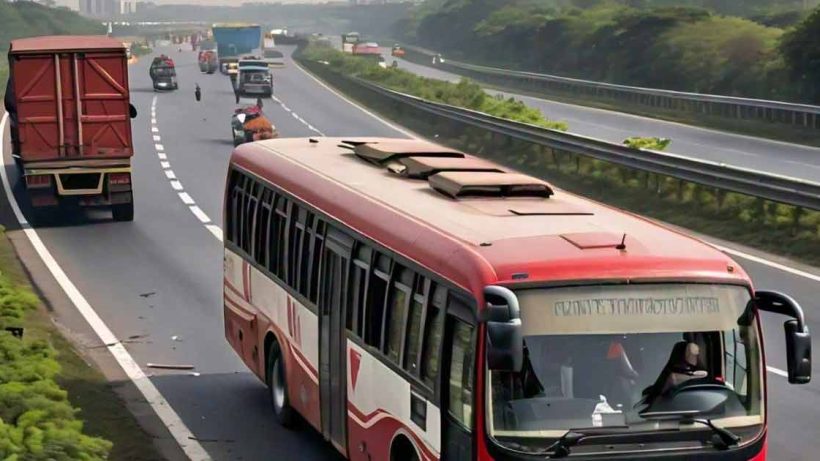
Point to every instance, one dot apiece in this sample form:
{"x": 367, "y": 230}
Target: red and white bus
{"x": 412, "y": 302}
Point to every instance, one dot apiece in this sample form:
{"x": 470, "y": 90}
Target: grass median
{"x": 53, "y": 404}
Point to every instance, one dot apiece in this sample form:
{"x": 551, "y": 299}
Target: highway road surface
{"x": 160, "y": 277}
{"x": 760, "y": 154}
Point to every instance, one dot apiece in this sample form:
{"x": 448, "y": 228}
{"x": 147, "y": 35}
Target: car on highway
{"x": 397, "y": 51}
{"x": 254, "y": 78}
{"x": 411, "y": 301}
{"x": 208, "y": 62}
{"x": 163, "y": 74}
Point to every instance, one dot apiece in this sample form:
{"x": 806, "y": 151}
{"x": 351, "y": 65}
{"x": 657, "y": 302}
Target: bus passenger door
{"x": 332, "y": 342}
{"x": 457, "y": 395}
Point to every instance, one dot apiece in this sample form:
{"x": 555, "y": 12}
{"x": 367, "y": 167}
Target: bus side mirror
{"x": 798, "y": 338}
{"x": 505, "y": 338}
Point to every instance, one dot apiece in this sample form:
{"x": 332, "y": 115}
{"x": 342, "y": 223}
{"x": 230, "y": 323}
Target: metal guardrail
{"x": 777, "y": 188}
{"x": 798, "y": 115}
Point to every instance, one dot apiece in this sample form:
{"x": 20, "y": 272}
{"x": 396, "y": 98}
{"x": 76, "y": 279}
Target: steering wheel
{"x": 698, "y": 385}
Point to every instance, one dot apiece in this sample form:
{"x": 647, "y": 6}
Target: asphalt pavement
{"x": 758, "y": 154}
{"x": 160, "y": 276}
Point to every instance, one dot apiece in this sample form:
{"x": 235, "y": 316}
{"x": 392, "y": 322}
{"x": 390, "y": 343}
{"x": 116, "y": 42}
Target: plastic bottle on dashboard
{"x": 600, "y": 408}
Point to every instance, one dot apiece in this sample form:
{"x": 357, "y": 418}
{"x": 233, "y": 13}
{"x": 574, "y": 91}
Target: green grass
{"x": 53, "y": 404}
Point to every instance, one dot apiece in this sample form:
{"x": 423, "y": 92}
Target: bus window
{"x": 414, "y": 326}
{"x": 298, "y": 219}
{"x": 277, "y": 237}
{"x": 358, "y": 290}
{"x": 399, "y": 299}
{"x": 260, "y": 247}
{"x": 461, "y": 373}
{"x": 433, "y": 331}
{"x": 377, "y": 292}
{"x": 249, "y": 209}
{"x": 230, "y": 212}
{"x": 317, "y": 238}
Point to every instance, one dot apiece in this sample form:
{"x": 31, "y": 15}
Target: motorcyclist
{"x": 198, "y": 92}
{"x": 256, "y": 125}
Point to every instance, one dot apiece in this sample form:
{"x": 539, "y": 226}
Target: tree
{"x": 801, "y": 51}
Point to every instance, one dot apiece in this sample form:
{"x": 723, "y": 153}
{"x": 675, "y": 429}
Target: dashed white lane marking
{"x": 284, "y": 106}
{"x": 186, "y": 199}
{"x": 197, "y": 211}
{"x": 183, "y": 436}
{"x": 176, "y": 184}
{"x": 297, "y": 117}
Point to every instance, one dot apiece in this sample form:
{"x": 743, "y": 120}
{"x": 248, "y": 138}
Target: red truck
{"x": 71, "y": 121}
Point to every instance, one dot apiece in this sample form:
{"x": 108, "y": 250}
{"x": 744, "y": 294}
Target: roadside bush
{"x": 637, "y": 142}
{"x": 465, "y": 93}
{"x": 37, "y": 422}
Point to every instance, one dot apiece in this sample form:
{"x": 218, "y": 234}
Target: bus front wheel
{"x": 278, "y": 387}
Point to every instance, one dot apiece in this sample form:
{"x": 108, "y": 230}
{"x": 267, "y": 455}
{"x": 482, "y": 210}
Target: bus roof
{"x": 65, "y": 43}
{"x": 475, "y": 229}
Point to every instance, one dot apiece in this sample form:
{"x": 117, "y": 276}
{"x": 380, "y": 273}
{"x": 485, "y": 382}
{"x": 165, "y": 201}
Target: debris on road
{"x": 167, "y": 366}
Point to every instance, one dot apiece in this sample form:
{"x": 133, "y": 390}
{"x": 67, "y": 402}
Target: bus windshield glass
{"x": 623, "y": 355}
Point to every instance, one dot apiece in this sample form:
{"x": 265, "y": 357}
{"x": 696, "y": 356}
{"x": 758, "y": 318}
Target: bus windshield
{"x": 620, "y": 355}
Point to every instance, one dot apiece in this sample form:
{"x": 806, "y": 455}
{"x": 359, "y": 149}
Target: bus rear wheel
{"x": 278, "y": 387}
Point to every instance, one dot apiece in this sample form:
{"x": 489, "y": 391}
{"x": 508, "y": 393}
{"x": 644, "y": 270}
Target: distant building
{"x": 107, "y": 8}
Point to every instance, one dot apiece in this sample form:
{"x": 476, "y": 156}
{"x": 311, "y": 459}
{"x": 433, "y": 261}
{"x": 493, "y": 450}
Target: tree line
{"x": 771, "y": 54}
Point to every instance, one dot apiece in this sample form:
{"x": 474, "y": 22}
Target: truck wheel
{"x": 123, "y": 211}
{"x": 278, "y": 387}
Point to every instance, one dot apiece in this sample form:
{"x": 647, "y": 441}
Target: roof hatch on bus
{"x": 383, "y": 152}
{"x": 460, "y": 184}
{"x": 423, "y": 167}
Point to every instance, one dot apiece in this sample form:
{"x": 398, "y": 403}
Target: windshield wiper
{"x": 562, "y": 447}
{"x": 725, "y": 437}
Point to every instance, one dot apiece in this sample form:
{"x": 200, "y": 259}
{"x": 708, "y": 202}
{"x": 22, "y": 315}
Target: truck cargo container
{"x": 233, "y": 41}
{"x": 71, "y": 121}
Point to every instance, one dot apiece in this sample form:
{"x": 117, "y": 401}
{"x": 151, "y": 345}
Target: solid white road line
{"x": 766, "y": 262}
{"x": 355, "y": 104}
{"x": 163, "y": 409}
{"x": 777, "y": 371}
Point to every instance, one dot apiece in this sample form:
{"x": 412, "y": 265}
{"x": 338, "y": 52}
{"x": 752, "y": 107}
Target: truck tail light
{"x": 38, "y": 180}
{"x": 119, "y": 179}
